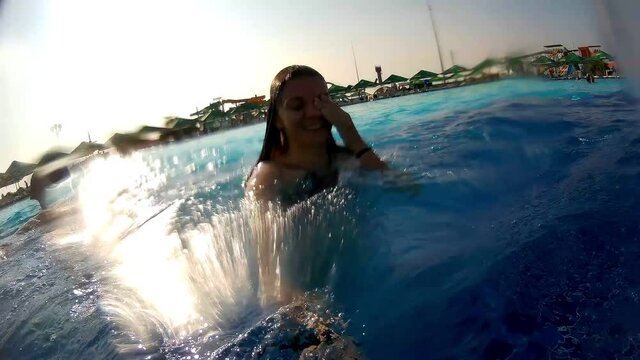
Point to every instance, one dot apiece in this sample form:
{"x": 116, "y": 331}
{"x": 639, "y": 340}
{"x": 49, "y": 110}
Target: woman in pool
{"x": 299, "y": 156}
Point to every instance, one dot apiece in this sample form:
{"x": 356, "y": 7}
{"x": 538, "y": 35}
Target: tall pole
{"x": 355, "y": 63}
{"x": 435, "y": 33}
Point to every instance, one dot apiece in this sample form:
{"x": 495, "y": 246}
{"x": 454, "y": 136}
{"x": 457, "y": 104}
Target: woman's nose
{"x": 311, "y": 110}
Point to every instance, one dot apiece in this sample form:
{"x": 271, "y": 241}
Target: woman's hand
{"x": 348, "y": 132}
{"x": 332, "y": 112}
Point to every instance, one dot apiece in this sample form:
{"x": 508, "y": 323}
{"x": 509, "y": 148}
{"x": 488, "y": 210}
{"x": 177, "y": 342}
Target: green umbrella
{"x": 393, "y": 78}
{"x": 459, "y": 75}
{"x": 543, "y": 61}
{"x": 603, "y": 55}
{"x": 336, "y": 89}
{"x": 594, "y": 60}
{"x": 572, "y": 58}
{"x": 362, "y": 84}
{"x": 485, "y": 64}
{"x": 454, "y": 70}
{"x": 423, "y": 74}
{"x": 438, "y": 78}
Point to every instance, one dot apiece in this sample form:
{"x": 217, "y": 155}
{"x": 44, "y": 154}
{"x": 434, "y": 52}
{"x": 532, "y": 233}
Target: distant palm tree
{"x": 56, "y": 129}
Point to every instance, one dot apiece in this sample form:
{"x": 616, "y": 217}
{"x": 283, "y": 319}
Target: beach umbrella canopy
{"x": 543, "y": 60}
{"x": 485, "y": 64}
{"x": 572, "y": 58}
{"x": 423, "y": 74}
{"x": 243, "y": 107}
{"x": 393, "y": 78}
{"x": 51, "y": 156}
{"x": 595, "y": 59}
{"x": 87, "y": 148}
{"x": 5, "y": 180}
{"x": 603, "y": 55}
{"x": 438, "y": 78}
{"x": 454, "y": 70}
{"x": 363, "y": 84}
{"x": 458, "y": 75}
{"x": 17, "y": 170}
{"x": 336, "y": 89}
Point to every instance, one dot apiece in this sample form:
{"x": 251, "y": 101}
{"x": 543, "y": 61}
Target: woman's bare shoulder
{"x": 266, "y": 171}
{"x": 263, "y": 182}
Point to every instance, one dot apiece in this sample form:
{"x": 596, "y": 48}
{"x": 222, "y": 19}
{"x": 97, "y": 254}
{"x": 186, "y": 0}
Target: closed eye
{"x": 295, "y": 103}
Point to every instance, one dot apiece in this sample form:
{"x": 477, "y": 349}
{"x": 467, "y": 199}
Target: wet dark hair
{"x": 272, "y": 142}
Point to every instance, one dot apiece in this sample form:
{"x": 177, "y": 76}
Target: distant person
{"x": 299, "y": 155}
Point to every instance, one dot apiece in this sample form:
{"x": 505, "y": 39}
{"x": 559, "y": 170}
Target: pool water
{"x": 507, "y": 228}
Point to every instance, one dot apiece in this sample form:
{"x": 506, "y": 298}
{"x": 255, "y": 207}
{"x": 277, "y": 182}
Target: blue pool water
{"x": 509, "y": 227}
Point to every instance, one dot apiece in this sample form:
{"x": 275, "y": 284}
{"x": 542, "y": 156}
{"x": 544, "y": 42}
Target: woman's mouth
{"x": 316, "y": 125}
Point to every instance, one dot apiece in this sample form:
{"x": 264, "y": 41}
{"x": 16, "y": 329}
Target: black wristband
{"x": 362, "y": 152}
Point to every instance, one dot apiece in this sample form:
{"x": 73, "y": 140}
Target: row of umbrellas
{"x": 572, "y": 59}
{"x": 457, "y": 71}
{"x": 451, "y": 73}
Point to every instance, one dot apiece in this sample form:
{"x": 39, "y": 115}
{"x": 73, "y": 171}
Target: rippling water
{"x": 509, "y": 227}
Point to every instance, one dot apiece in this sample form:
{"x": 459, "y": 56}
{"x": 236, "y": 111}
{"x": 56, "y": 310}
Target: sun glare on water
{"x": 174, "y": 266}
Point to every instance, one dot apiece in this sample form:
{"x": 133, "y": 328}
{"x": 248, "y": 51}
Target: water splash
{"x": 184, "y": 265}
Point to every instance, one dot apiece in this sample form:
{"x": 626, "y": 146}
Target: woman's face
{"x": 298, "y": 116}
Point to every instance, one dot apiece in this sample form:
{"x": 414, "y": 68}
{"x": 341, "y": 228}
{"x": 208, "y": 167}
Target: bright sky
{"x": 102, "y": 66}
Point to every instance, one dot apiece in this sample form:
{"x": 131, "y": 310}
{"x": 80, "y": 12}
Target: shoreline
{"x": 14, "y": 197}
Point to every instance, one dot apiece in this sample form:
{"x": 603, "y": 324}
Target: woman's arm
{"x": 349, "y": 134}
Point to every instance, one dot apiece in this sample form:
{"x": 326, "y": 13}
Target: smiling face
{"x": 298, "y": 116}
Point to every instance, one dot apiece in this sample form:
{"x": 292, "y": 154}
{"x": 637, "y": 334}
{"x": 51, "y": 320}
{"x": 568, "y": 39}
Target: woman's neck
{"x": 310, "y": 158}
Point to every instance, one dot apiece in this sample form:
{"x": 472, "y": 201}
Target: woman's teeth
{"x": 314, "y": 126}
